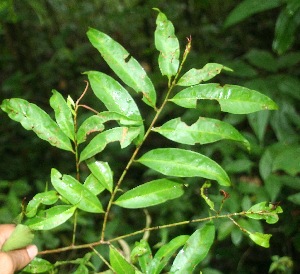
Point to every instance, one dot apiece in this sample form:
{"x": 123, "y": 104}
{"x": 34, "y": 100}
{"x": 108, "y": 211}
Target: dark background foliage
{"x": 43, "y": 46}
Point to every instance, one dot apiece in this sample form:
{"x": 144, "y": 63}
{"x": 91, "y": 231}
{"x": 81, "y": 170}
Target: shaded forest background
{"x": 43, "y": 46}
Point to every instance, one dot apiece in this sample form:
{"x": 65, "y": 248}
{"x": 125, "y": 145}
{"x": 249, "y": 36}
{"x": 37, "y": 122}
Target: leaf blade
{"x": 184, "y": 163}
{"x": 194, "y": 250}
{"x": 150, "y": 193}
{"x": 232, "y": 99}
{"x": 75, "y": 192}
{"x": 203, "y": 131}
{"x": 34, "y": 118}
{"x": 167, "y": 44}
{"x": 51, "y": 218}
{"x": 130, "y": 72}
{"x": 63, "y": 114}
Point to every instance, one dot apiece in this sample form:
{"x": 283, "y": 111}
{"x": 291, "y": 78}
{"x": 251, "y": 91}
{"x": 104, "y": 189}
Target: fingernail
{"x": 32, "y": 251}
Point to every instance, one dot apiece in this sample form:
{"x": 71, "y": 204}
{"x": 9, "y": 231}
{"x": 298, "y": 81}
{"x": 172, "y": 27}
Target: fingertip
{"x": 32, "y": 251}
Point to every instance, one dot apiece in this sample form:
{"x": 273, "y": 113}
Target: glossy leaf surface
{"x": 34, "y": 118}
{"x": 38, "y": 265}
{"x": 194, "y": 250}
{"x": 204, "y": 131}
{"x": 63, "y": 114}
{"x": 113, "y": 95}
{"x": 124, "y": 135}
{"x": 184, "y": 163}
{"x": 264, "y": 211}
{"x": 119, "y": 263}
{"x": 167, "y": 44}
{"x": 165, "y": 253}
{"x": 102, "y": 172}
{"x": 124, "y": 65}
{"x": 46, "y": 198}
{"x": 75, "y": 192}
{"x": 93, "y": 185}
{"x": 151, "y": 193}
{"x": 196, "y": 76}
{"x": 90, "y": 125}
{"x": 232, "y": 99}
{"x": 21, "y": 236}
{"x": 51, "y": 218}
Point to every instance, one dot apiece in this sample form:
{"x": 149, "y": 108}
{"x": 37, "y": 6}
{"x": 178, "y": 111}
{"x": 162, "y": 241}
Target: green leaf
{"x": 38, "y": 265}
{"x": 141, "y": 253}
{"x": 259, "y": 122}
{"x": 167, "y": 44}
{"x": 184, "y": 163}
{"x": 51, "y": 218}
{"x": 165, "y": 253}
{"x": 93, "y": 185}
{"x": 194, "y": 250}
{"x": 260, "y": 239}
{"x": 196, "y": 76}
{"x": 75, "y": 192}
{"x": 102, "y": 172}
{"x": 124, "y": 135}
{"x": 90, "y": 125}
{"x": 95, "y": 123}
{"x": 124, "y": 65}
{"x": 283, "y": 161}
{"x": 34, "y": 118}
{"x": 295, "y": 198}
{"x": 63, "y": 114}
{"x": 21, "y": 236}
{"x": 204, "y": 131}
{"x": 248, "y": 8}
{"x": 265, "y": 211}
{"x": 286, "y": 29}
{"x": 119, "y": 263}
{"x": 113, "y": 95}
{"x": 45, "y": 198}
{"x": 151, "y": 193}
{"x": 232, "y": 99}
{"x": 262, "y": 59}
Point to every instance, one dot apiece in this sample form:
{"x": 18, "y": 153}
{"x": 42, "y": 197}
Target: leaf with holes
{"x": 196, "y": 76}
{"x": 167, "y": 44}
{"x": 34, "y": 118}
{"x": 129, "y": 71}
{"x": 232, "y": 99}
{"x": 204, "y": 131}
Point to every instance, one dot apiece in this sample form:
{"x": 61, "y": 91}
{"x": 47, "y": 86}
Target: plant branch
{"x": 131, "y": 160}
{"x": 101, "y": 242}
